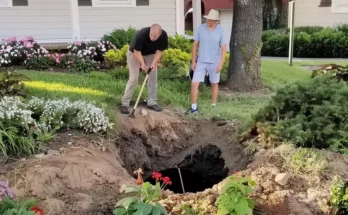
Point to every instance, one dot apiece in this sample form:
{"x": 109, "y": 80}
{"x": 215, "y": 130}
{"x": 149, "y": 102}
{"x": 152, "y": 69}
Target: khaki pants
{"x": 133, "y": 66}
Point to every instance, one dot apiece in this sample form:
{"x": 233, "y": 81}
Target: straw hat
{"x": 213, "y": 15}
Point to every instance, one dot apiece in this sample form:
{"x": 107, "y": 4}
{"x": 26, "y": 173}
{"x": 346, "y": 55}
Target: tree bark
{"x": 245, "y": 47}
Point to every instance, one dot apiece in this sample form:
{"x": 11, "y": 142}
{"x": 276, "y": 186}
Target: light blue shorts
{"x": 202, "y": 69}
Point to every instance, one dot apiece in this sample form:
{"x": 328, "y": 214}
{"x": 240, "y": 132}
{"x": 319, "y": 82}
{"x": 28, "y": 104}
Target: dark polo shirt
{"x": 141, "y": 42}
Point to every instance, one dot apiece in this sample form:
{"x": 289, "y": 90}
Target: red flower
{"x": 167, "y": 181}
{"x": 157, "y": 176}
{"x": 37, "y": 210}
{"x": 235, "y": 172}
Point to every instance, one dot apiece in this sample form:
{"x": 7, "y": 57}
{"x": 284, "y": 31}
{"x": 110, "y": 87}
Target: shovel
{"x": 141, "y": 91}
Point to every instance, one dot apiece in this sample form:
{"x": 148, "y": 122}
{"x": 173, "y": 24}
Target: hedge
{"x": 314, "y": 41}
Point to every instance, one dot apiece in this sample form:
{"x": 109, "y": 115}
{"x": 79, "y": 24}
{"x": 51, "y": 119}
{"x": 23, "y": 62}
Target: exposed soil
{"x": 80, "y": 174}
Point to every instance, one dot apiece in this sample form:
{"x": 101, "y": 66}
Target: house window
{"x": 89, "y": 2}
{"x": 325, "y": 3}
{"x": 13, "y": 3}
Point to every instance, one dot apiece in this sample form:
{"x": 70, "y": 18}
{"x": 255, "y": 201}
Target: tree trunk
{"x": 245, "y": 47}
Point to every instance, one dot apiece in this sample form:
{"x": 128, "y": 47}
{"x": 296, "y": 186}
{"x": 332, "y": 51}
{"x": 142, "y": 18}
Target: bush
{"x": 91, "y": 50}
{"x": 40, "y": 63}
{"x": 308, "y": 42}
{"x": 117, "y": 57}
{"x": 310, "y": 115}
{"x": 23, "y": 125}
{"x": 16, "y": 53}
{"x": 120, "y": 37}
{"x": 339, "y": 195}
{"x": 178, "y": 61}
{"x": 79, "y": 65}
{"x": 179, "y": 42}
{"x": 11, "y": 84}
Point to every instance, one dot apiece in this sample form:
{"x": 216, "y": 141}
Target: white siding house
{"x": 321, "y": 12}
{"x": 63, "y": 21}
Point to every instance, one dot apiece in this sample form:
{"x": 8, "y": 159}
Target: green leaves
{"x": 140, "y": 206}
{"x": 126, "y": 202}
{"x": 130, "y": 188}
{"x": 13, "y": 207}
{"x": 339, "y": 195}
{"x": 133, "y": 206}
{"x": 11, "y": 83}
{"x": 233, "y": 199}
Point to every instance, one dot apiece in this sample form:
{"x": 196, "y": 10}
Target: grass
{"x": 108, "y": 88}
{"x": 308, "y": 163}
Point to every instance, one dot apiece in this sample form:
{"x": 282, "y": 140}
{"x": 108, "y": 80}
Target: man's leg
{"x": 133, "y": 66}
{"x": 214, "y": 78}
{"x": 198, "y": 76}
{"x": 152, "y": 85}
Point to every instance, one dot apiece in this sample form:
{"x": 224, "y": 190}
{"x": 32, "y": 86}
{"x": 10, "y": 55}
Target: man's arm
{"x": 164, "y": 45}
{"x": 139, "y": 57}
{"x": 223, "y": 55}
{"x": 194, "y": 51}
{"x": 157, "y": 57}
{"x": 195, "y": 48}
{"x": 223, "y": 49}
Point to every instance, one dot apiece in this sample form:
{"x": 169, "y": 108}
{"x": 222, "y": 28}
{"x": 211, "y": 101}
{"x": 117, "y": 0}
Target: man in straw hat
{"x": 210, "y": 40}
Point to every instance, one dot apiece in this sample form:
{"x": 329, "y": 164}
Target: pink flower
{"x": 10, "y": 39}
{"x": 28, "y": 44}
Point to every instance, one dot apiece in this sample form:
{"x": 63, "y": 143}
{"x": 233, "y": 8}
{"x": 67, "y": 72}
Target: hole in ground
{"x": 201, "y": 170}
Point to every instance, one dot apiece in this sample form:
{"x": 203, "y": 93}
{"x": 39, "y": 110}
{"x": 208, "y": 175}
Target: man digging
{"x": 144, "y": 52}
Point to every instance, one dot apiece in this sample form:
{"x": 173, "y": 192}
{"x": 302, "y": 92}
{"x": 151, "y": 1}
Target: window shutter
{"x": 20, "y": 2}
{"x": 143, "y": 2}
{"x": 85, "y": 2}
{"x": 325, "y": 3}
{"x": 5, "y": 3}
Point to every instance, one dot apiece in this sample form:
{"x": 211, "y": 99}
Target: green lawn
{"x": 108, "y": 88}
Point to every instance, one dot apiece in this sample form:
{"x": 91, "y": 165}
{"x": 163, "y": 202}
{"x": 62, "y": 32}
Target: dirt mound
{"x": 77, "y": 176}
{"x": 80, "y": 174}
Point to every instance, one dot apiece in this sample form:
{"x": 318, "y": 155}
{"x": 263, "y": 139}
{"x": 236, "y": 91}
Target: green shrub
{"x": 308, "y": 29}
{"x": 179, "y": 42}
{"x": 310, "y": 114}
{"x": 120, "y": 37}
{"x": 339, "y": 195}
{"x": 40, "y": 63}
{"x": 342, "y": 27}
{"x": 178, "y": 61}
{"x": 188, "y": 32}
{"x": 117, "y": 57}
{"x": 120, "y": 73}
{"x": 80, "y": 65}
{"x": 11, "y": 84}
{"x": 313, "y": 41}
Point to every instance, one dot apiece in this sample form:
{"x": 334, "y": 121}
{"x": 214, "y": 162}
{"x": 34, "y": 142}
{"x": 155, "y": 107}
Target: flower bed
{"x": 25, "y": 125}
{"x": 81, "y": 57}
